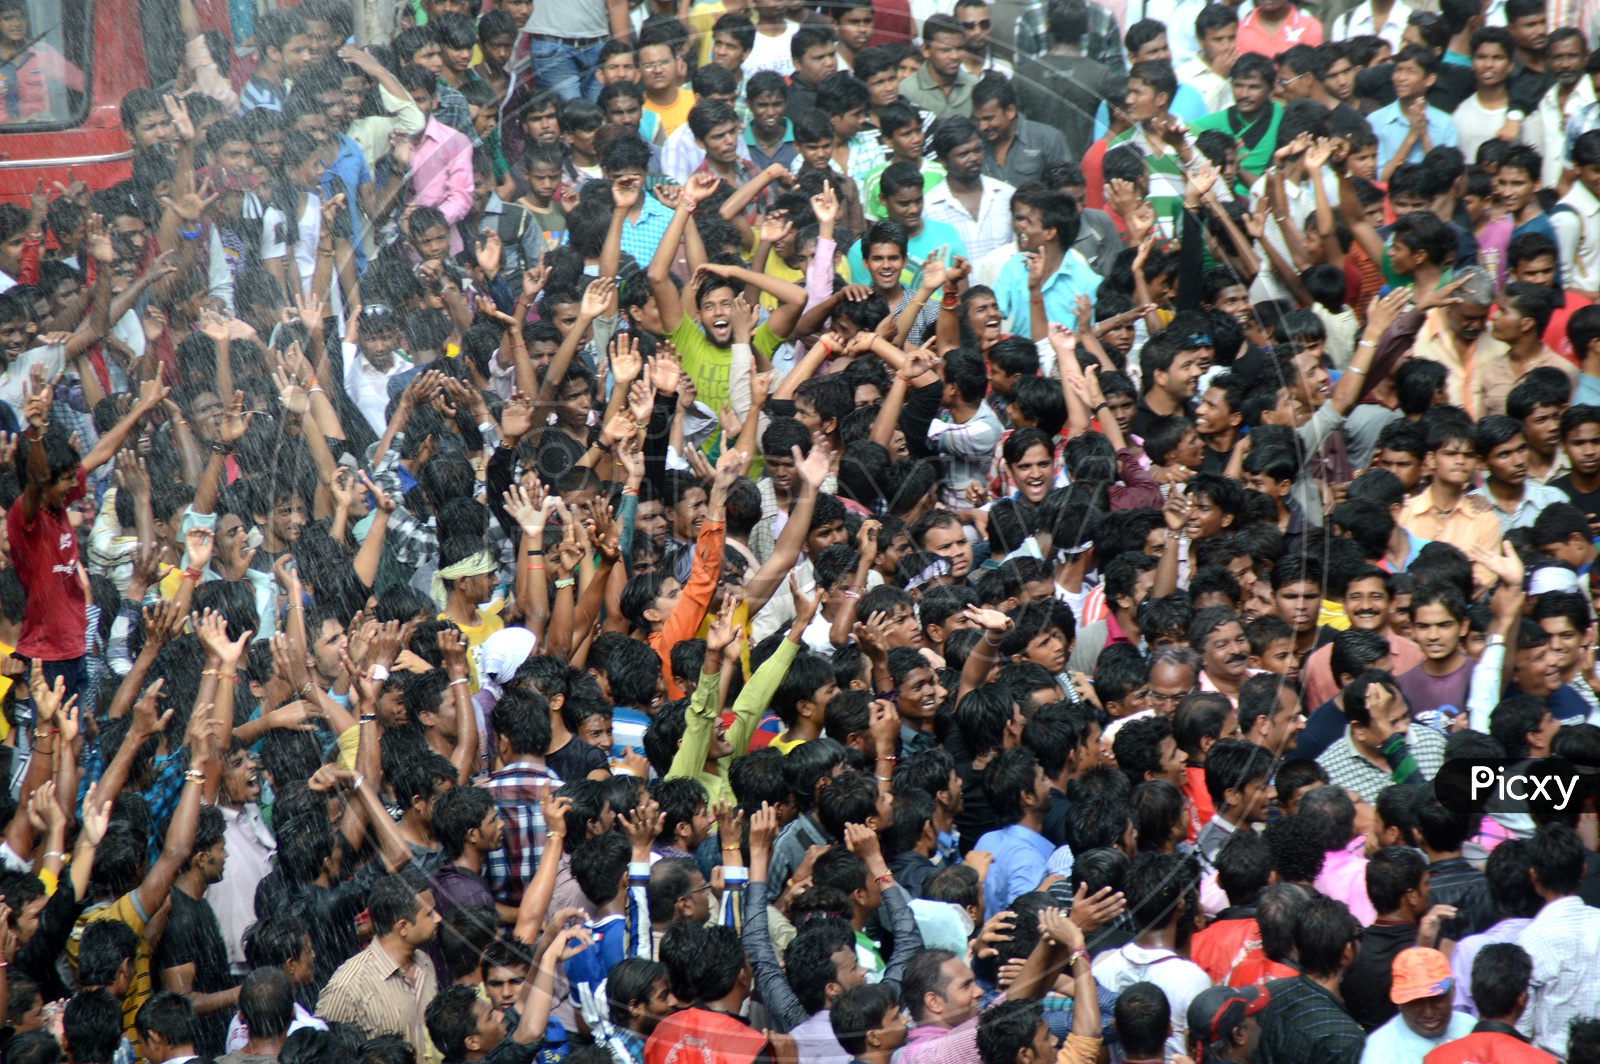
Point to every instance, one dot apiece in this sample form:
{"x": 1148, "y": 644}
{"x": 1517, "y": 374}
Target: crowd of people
{"x": 747, "y": 532}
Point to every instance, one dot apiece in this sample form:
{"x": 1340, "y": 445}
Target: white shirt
{"x": 16, "y": 382}
{"x": 369, "y": 386}
{"x": 305, "y": 247}
{"x": 1564, "y": 942}
{"x": 989, "y": 230}
{"x": 681, "y": 156}
{"x": 1359, "y": 23}
{"x": 1300, "y": 199}
{"x": 1214, "y": 89}
{"x": 1546, "y": 127}
{"x": 1181, "y": 980}
{"x": 1179, "y": 16}
{"x": 1477, "y": 124}
{"x": 1578, "y": 236}
{"x": 233, "y": 897}
{"x": 771, "y": 53}
{"x": 1397, "y": 1043}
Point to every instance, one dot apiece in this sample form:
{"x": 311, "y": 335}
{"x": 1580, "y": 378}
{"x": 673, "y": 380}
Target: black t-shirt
{"x": 194, "y": 937}
{"x": 576, "y": 760}
{"x": 1588, "y": 502}
{"x": 1366, "y": 985}
{"x": 1143, "y": 416}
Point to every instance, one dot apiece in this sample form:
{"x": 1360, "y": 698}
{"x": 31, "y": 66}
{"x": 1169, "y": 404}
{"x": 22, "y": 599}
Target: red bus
{"x": 47, "y": 125}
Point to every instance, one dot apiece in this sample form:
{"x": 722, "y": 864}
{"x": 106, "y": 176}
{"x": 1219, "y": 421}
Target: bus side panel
{"x": 97, "y": 152}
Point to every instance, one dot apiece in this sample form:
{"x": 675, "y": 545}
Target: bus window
{"x": 41, "y": 63}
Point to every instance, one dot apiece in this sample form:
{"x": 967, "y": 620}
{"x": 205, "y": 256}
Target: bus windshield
{"x": 41, "y": 73}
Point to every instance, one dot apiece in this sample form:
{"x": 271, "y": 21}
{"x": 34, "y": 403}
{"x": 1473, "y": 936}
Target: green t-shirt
{"x": 1256, "y": 159}
{"x": 709, "y": 365}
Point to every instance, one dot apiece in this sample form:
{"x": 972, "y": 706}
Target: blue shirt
{"x": 1073, "y": 278}
{"x": 627, "y": 731}
{"x": 1020, "y": 856}
{"x": 1391, "y": 126}
{"x": 1588, "y": 390}
{"x": 934, "y": 235}
{"x": 351, "y": 168}
{"x": 640, "y": 239}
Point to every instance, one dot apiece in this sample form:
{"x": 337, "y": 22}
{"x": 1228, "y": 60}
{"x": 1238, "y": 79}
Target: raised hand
{"x": 234, "y": 420}
{"x": 862, "y": 841}
{"x": 813, "y": 468}
{"x": 200, "y": 543}
{"x": 763, "y": 829}
{"x": 529, "y": 507}
{"x": 825, "y": 205}
{"x": 723, "y": 630}
{"x": 597, "y": 297}
{"x": 992, "y": 621}
{"x": 626, "y": 362}
{"x": 1088, "y": 913}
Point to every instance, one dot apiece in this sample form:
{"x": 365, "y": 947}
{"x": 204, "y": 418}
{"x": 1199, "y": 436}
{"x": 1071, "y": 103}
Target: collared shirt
{"x": 351, "y": 168}
{"x": 641, "y": 238}
{"x": 1435, "y": 341}
{"x": 1578, "y": 236}
{"x": 373, "y": 992}
{"x": 982, "y": 234}
{"x": 1535, "y": 497}
{"x": 369, "y": 386}
{"x": 1564, "y": 942}
{"x": 922, "y": 90}
{"x": 1018, "y": 868}
{"x": 233, "y": 897}
{"x": 1214, "y": 89}
{"x": 1211, "y": 838}
{"x": 1466, "y": 951}
{"x": 1391, "y": 125}
{"x": 1361, "y": 23}
{"x": 1493, "y": 378}
{"x": 681, "y": 156}
{"x": 1546, "y": 127}
{"x": 966, "y": 450}
{"x": 1344, "y": 876}
{"x": 518, "y": 791}
{"x": 1396, "y": 1043}
{"x": 784, "y": 154}
{"x": 1461, "y": 527}
{"x": 1454, "y": 881}
{"x": 441, "y": 176}
{"x": 1305, "y": 1024}
{"x": 1061, "y": 290}
{"x": 1034, "y": 146}
{"x": 1298, "y": 28}
{"x": 1347, "y": 768}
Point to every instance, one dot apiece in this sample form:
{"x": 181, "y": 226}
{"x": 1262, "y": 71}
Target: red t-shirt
{"x": 1257, "y": 970}
{"x": 1200, "y": 808}
{"x": 1488, "y": 1047}
{"x": 1222, "y": 946}
{"x": 700, "y": 1036}
{"x": 45, "y": 553}
{"x": 1555, "y": 334}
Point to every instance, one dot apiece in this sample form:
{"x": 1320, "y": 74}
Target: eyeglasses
{"x": 696, "y": 890}
{"x": 372, "y": 310}
{"x": 1284, "y": 83}
{"x": 980, "y": 24}
{"x": 1158, "y": 698}
{"x": 659, "y": 64}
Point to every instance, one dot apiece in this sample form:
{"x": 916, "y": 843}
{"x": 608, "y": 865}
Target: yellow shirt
{"x": 784, "y": 747}
{"x": 349, "y": 739}
{"x": 673, "y": 115}
{"x": 125, "y": 909}
{"x": 776, "y": 267}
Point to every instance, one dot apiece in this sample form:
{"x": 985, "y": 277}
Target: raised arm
{"x": 659, "y": 273}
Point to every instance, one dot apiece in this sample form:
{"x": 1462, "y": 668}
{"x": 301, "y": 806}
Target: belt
{"x": 570, "y": 42}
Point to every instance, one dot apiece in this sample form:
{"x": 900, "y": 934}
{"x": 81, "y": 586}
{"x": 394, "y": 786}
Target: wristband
{"x": 454, "y": 682}
{"x": 367, "y": 718}
{"x": 568, "y": 582}
{"x": 54, "y": 853}
{"x": 190, "y": 234}
{"x": 887, "y": 877}
{"x": 194, "y": 775}
{"x": 192, "y": 573}
{"x": 380, "y": 672}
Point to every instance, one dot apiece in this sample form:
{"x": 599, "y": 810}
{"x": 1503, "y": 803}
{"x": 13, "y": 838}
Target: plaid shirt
{"x": 1304, "y": 1024}
{"x": 413, "y": 542}
{"x": 1347, "y": 768}
{"x": 163, "y": 793}
{"x": 743, "y": 174}
{"x": 1564, "y": 942}
{"x": 1103, "y": 43}
{"x": 516, "y": 793}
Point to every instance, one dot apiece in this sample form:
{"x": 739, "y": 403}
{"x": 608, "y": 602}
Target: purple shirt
{"x": 1344, "y": 876}
{"x": 1425, "y": 692}
{"x": 1467, "y": 949}
{"x": 817, "y": 1043}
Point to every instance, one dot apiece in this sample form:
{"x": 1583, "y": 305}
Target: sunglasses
{"x": 980, "y": 24}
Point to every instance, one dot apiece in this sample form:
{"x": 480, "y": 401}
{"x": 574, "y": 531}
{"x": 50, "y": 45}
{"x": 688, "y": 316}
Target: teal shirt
{"x": 934, "y": 235}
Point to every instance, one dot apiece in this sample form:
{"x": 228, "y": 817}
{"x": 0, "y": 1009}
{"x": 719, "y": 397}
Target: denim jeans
{"x": 567, "y": 70}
